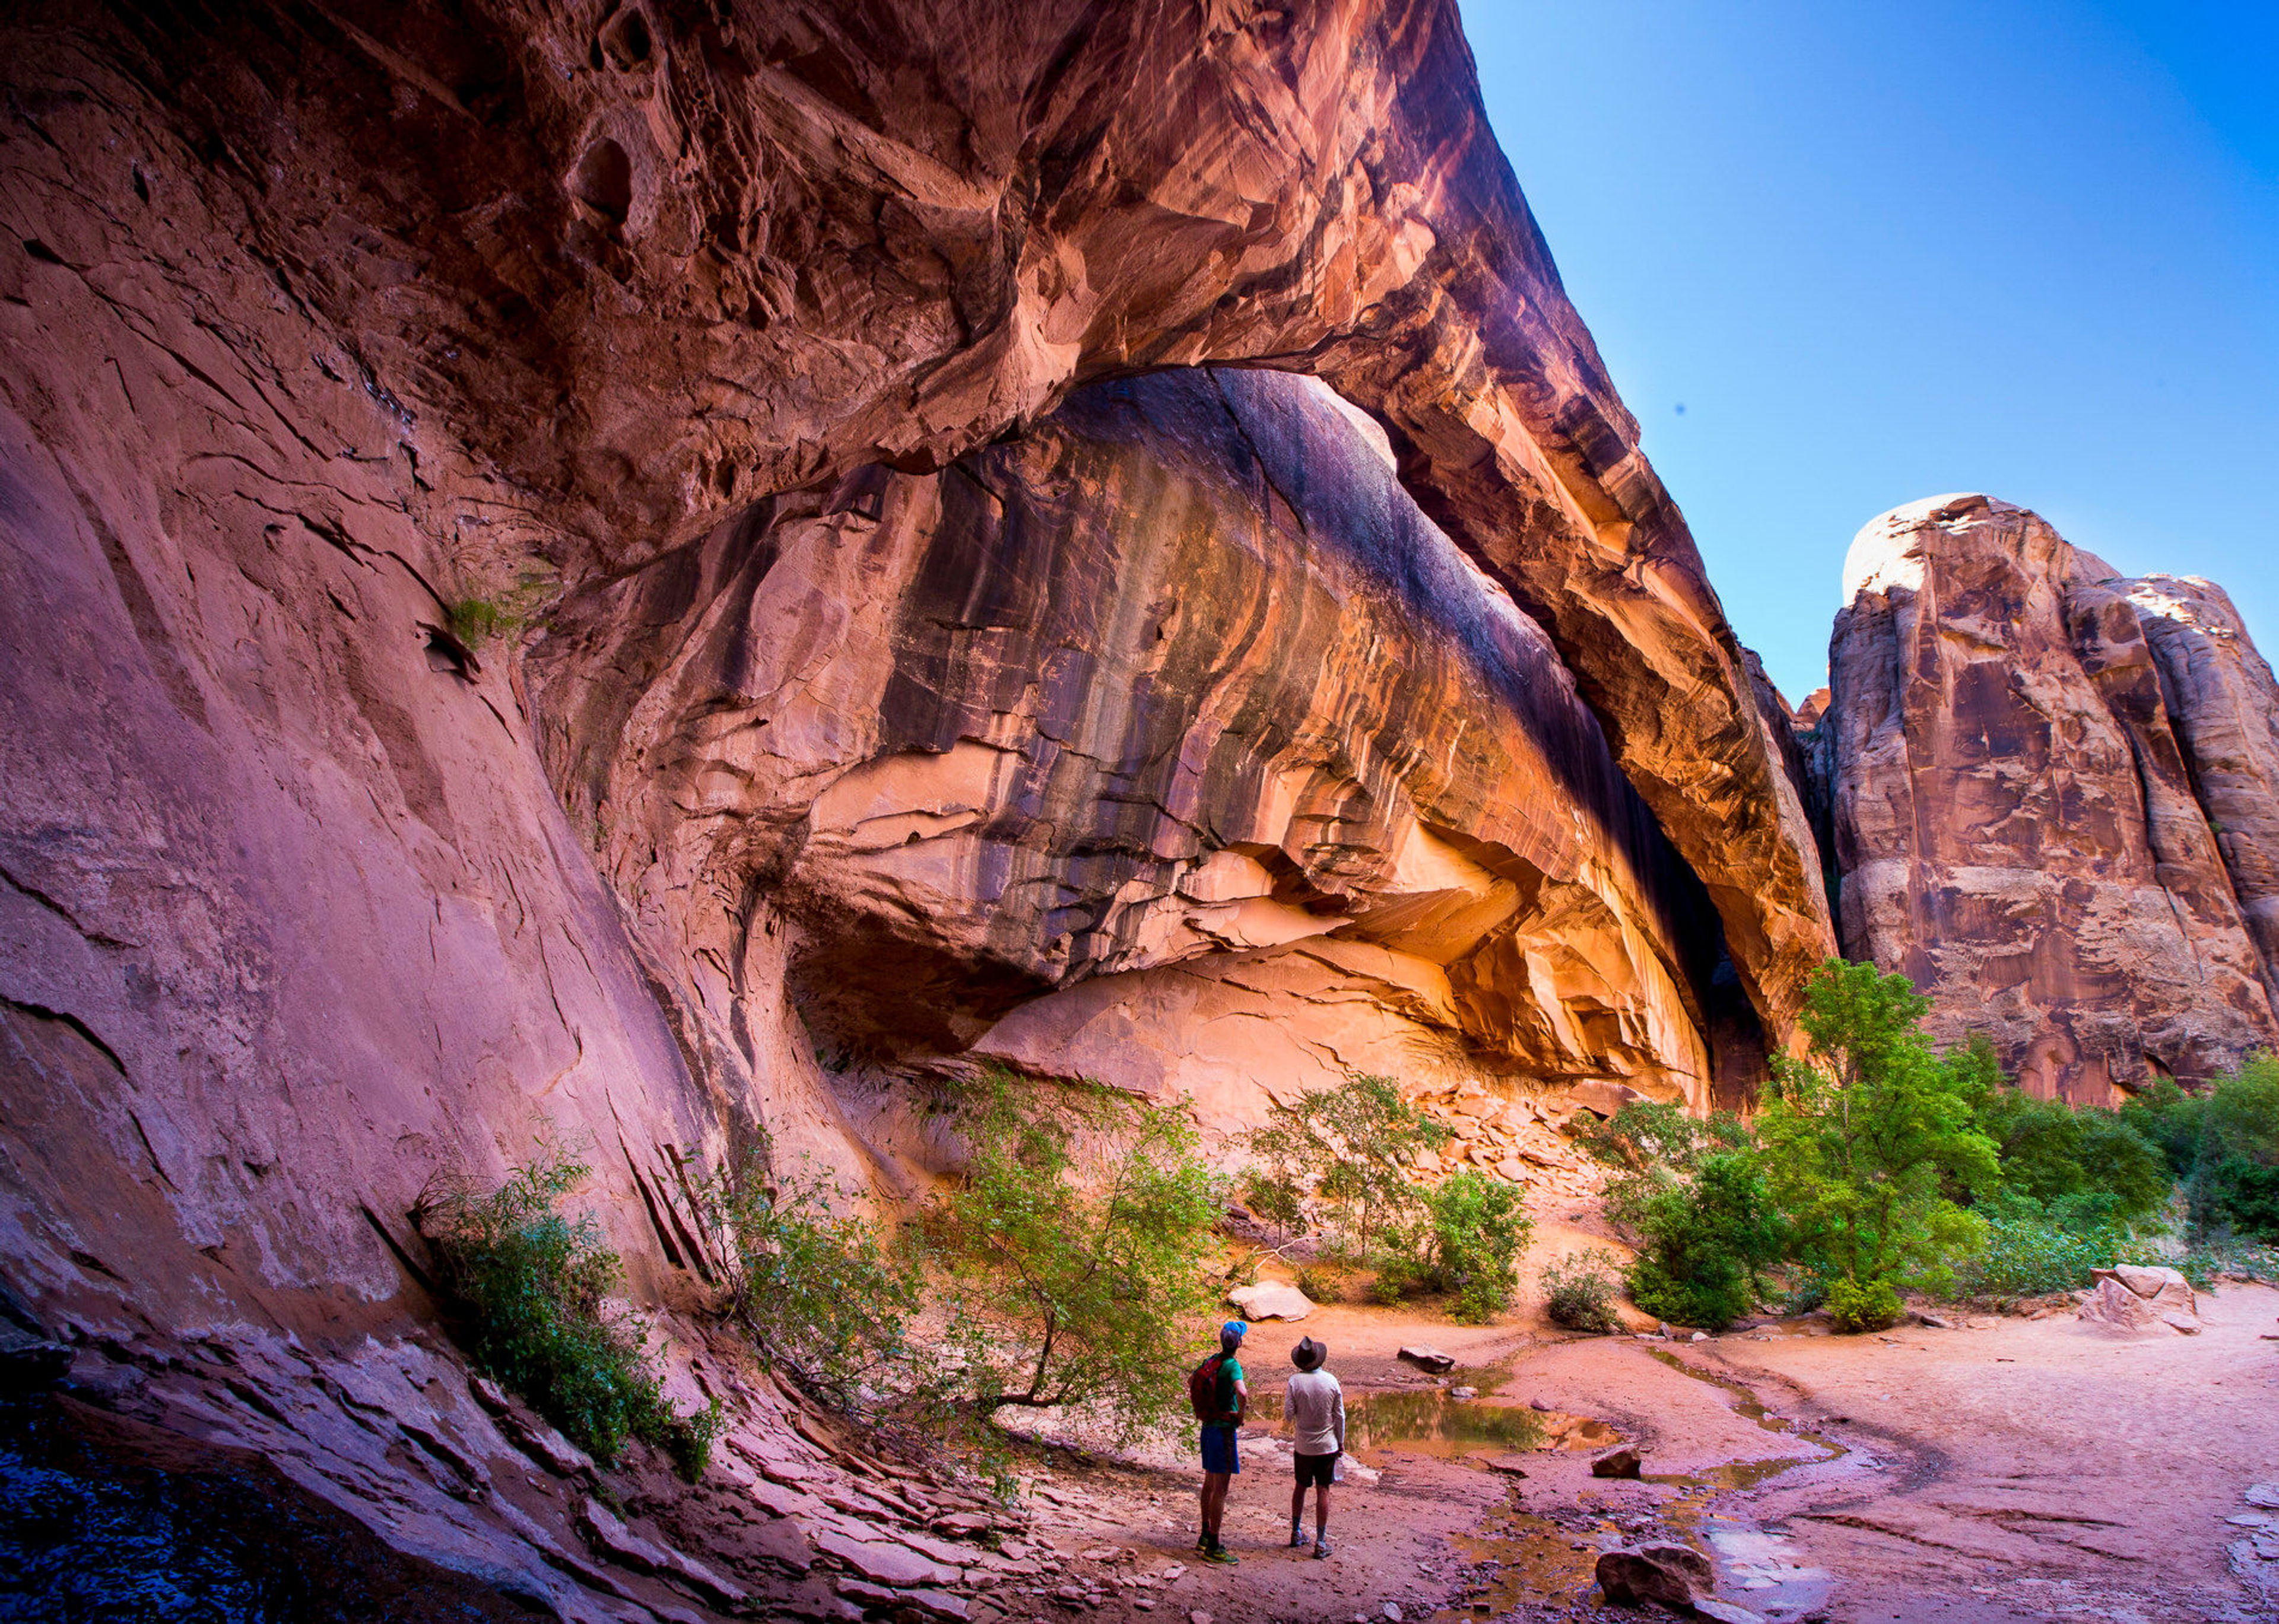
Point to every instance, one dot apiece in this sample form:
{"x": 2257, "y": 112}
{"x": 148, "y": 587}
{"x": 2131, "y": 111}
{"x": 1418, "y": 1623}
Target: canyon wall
{"x": 622, "y": 575}
{"x": 631, "y": 321}
{"x": 1167, "y": 744}
{"x": 2050, "y": 799}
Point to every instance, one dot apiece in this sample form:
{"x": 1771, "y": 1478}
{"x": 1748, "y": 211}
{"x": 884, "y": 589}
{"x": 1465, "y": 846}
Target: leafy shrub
{"x": 1705, "y": 1244}
{"x": 1338, "y": 1161}
{"x": 1863, "y": 1305}
{"x": 1478, "y": 1229}
{"x": 819, "y": 1293}
{"x": 1396, "y": 1275}
{"x": 2223, "y": 1146}
{"x": 528, "y": 1286}
{"x": 1076, "y": 1250}
{"x": 2029, "y": 1252}
{"x": 1580, "y": 1287}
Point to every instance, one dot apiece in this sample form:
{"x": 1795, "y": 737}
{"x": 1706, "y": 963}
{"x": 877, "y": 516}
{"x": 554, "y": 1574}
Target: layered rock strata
{"x": 650, "y": 264}
{"x": 1169, "y": 744}
{"x": 2017, "y": 749}
{"x": 333, "y": 337}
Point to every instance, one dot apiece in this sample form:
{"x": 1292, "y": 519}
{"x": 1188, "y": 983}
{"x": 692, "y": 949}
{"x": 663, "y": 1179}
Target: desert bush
{"x": 527, "y": 1287}
{"x": 1322, "y": 1281}
{"x": 1478, "y": 1228}
{"x": 2030, "y": 1251}
{"x": 1868, "y": 1145}
{"x": 1705, "y": 1244}
{"x": 1863, "y": 1305}
{"x": 1338, "y": 1161}
{"x": 816, "y": 1288}
{"x": 1076, "y": 1252}
{"x": 1580, "y": 1287}
{"x": 2223, "y": 1146}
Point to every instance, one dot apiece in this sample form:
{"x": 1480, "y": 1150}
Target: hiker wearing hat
{"x": 1218, "y": 1396}
{"x": 1315, "y": 1405}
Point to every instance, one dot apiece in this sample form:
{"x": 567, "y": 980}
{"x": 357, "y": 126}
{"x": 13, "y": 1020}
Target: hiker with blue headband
{"x": 1218, "y": 1396}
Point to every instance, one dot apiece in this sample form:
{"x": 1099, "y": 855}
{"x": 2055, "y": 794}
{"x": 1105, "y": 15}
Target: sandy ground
{"x": 2003, "y": 1470}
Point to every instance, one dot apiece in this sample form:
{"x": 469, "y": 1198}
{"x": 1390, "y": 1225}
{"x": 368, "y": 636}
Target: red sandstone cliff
{"x": 312, "y": 323}
{"x": 2049, "y": 798}
{"x": 888, "y": 634}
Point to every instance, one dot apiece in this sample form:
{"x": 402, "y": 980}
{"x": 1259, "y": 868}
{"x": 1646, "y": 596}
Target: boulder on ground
{"x": 1271, "y": 1299}
{"x": 2164, "y": 1288}
{"x": 2142, "y": 1301}
{"x": 1427, "y": 1358}
{"x": 1619, "y": 1462}
{"x": 1670, "y": 1574}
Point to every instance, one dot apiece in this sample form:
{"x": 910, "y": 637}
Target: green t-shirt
{"x": 1230, "y": 1403}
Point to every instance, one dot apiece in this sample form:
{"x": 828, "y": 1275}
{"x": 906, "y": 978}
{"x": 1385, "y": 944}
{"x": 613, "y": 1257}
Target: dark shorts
{"x": 1220, "y": 1452}
{"x": 1317, "y": 1471}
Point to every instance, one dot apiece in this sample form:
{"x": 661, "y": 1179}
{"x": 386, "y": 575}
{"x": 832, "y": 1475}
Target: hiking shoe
{"x": 1202, "y": 1544}
{"x": 1297, "y": 1539}
{"x": 1321, "y": 1549}
{"x": 1221, "y": 1555}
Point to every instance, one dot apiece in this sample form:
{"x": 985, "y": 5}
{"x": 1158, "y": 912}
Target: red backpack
{"x": 1203, "y": 1390}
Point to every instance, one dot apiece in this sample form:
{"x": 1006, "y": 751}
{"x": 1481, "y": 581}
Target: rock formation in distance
{"x": 2048, "y": 792}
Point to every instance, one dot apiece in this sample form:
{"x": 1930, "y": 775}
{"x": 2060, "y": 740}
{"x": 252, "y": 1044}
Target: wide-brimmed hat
{"x": 1308, "y": 1354}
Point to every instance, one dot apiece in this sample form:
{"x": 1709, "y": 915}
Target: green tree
{"x": 1076, "y": 1250}
{"x": 1655, "y": 1149}
{"x": 1347, "y": 1154}
{"x": 2091, "y": 1166}
{"x": 816, "y": 1287}
{"x": 2223, "y": 1145}
{"x": 1865, "y": 1142}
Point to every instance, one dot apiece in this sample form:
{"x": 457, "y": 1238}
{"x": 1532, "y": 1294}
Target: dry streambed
{"x": 1998, "y": 1469}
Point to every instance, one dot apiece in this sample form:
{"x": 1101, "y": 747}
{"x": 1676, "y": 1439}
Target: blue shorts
{"x": 1220, "y": 1451}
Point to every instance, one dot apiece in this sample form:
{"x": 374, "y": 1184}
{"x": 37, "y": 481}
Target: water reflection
{"x": 1429, "y": 1422}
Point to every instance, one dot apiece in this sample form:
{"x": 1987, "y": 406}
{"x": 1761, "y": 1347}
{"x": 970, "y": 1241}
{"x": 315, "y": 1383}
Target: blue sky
{"x": 1879, "y": 251}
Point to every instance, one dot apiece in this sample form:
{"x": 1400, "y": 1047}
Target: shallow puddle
{"x": 1429, "y": 1422}
{"x": 1744, "y": 1473}
{"x": 1527, "y": 1559}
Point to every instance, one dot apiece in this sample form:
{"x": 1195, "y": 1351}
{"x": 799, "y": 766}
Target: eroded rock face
{"x": 1169, "y": 744}
{"x": 2015, "y": 817}
{"x": 2224, "y": 707}
{"x": 651, "y": 263}
{"x": 316, "y": 322}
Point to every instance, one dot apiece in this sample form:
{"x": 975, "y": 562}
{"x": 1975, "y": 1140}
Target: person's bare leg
{"x": 1215, "y": 1488}
{"x": 1321, "y": 1514}
{"x": 1297, "y": 1505}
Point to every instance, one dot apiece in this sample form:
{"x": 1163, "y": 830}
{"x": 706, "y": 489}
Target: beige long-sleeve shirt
{"x": 1315, "y": 1405}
